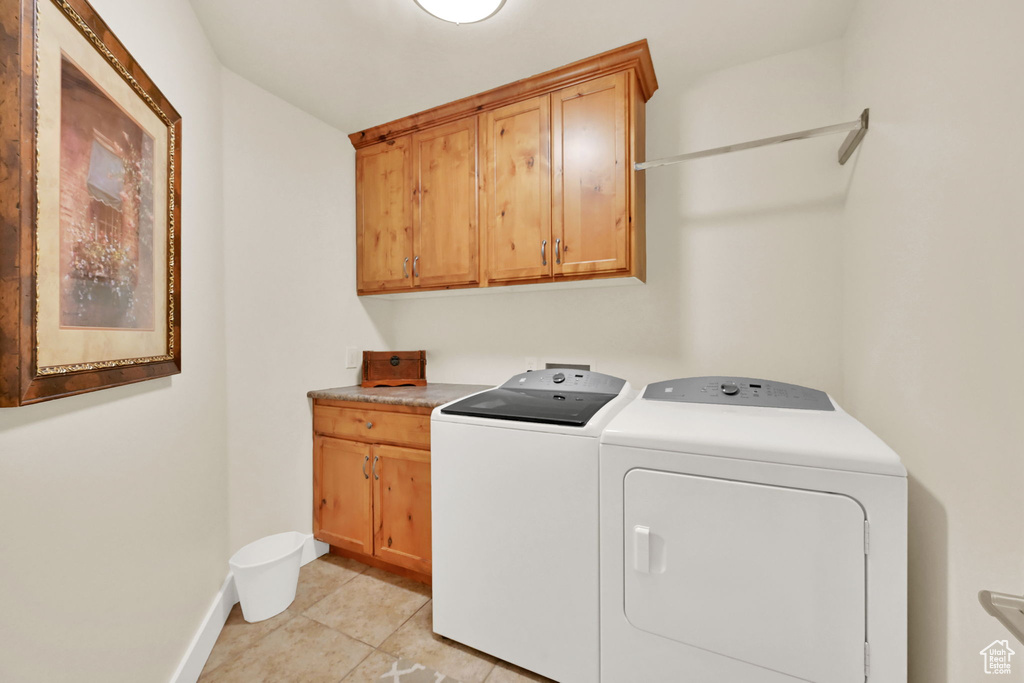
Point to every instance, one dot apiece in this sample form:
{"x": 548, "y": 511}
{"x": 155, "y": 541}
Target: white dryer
{"x": 751, "y": 532}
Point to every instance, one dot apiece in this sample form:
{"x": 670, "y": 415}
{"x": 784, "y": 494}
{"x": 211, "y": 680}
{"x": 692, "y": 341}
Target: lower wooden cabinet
{"x": 401, "y": 506}
{"x": 343, "y": 494}
{"x": 371, "y": 491}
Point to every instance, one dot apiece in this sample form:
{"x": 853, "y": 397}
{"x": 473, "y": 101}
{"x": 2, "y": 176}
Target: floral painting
{"x": 106, "y": 210}
{"x": 90, "y": 204}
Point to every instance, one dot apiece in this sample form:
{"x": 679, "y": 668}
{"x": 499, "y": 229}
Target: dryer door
{"x": 763, "y": 574}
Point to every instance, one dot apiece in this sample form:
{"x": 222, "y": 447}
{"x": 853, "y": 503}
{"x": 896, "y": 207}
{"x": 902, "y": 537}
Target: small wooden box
{"x": 394, "y": 368}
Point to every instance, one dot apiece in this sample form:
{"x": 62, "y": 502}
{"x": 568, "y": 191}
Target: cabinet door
{"x": 341, "y": 494}
{"x": 516, "y": 190}
{"x": 445, "y": 219}
{"x": 384, "y": 203}
{"x": 590, "y": 216}
{"x": 401, "y": 506}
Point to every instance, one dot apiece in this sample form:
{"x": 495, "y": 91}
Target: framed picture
{"x": 90, "y": 220}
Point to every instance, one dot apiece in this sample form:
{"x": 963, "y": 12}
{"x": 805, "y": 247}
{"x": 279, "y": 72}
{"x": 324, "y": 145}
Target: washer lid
{"x": 554, "y": 396}
{"x": 812, "y": 438}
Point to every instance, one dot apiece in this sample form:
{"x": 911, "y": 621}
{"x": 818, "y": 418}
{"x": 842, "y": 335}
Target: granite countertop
{"x": 430, "y": 396}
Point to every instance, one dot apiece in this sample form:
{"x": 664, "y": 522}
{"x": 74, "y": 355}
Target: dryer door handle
{"x": 642, "y": 549}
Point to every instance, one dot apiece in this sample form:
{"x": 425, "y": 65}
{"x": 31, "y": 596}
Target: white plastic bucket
{"x": 266, "y": 574}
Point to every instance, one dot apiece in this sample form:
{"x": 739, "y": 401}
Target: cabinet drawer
{"x": 403, "y": 429}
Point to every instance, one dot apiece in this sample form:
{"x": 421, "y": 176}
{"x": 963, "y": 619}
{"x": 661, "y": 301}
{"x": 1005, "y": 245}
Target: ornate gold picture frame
{"x": 90, "y": 229}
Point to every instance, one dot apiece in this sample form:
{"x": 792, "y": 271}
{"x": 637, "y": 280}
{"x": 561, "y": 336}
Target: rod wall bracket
{"x": 853, "y": 138}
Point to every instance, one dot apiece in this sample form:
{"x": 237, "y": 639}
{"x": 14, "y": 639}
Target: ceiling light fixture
{"x": 461, "y": 11}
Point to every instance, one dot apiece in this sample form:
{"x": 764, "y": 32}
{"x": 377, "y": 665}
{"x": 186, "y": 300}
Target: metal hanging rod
{"x": 857, "y": 130}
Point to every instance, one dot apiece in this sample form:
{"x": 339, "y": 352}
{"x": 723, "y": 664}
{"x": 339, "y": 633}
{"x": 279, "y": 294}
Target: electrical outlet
{"x": 531, "y": 363}
{"x": 352, "y": 359}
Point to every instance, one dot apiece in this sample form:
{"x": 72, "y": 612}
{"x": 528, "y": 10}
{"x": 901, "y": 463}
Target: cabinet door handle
{"x": 416, "y": 267}
{"x": 374, "y": 468}
{"x": 544, "y": 252}
{"x": 405, "y": 267}
{"x": 365, "y": 460}
{"x": 558, "y": 251}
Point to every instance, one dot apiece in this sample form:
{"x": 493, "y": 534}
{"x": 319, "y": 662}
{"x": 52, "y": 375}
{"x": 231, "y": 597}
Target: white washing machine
{"x": 751, "y": 532}
{"x": 514, "y": 503}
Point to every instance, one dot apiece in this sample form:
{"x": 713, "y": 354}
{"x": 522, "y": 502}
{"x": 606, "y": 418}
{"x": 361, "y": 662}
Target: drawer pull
{"x": 369, "y": 425}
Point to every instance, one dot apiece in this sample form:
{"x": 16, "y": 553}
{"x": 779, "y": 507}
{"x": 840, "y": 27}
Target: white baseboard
{"x": 199, "y": 649}
{"x": 206, "y": 637}
{"x": 313, "y": 549}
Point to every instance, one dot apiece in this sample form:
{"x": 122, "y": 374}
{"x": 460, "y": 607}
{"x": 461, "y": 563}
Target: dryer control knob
{"x": 558, "y": 378}
{"x": 730, "y": 389}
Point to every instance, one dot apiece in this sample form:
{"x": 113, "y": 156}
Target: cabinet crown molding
{"x": 635, "y": 56}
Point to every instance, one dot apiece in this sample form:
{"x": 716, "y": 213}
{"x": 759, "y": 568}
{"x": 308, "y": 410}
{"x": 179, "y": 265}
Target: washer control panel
{"x": 566, "y": 379}
{"x": 738, "y": 391}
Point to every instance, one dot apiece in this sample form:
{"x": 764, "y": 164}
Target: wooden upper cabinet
{"x": 591, "y": 172}
{"x": 384, "y": 208}
{"x": 515, "y": 193}
{"x": 533, "y": 181}
{"x": 445, "y": 217}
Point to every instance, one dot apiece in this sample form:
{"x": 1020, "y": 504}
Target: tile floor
{"x": 348, "y": 623}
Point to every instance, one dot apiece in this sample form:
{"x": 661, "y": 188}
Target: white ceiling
{"x": 359, "y": 63}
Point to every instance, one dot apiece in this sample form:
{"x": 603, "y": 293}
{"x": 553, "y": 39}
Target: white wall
{"x": 933, "y": 325}
{"x": 289, "y": 212}
{"x": 113, "y": 516}
{"x": 744, "y": 262}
